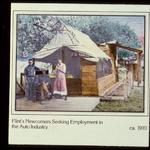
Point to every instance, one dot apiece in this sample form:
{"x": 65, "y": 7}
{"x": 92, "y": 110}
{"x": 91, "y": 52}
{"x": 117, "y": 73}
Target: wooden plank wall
{"x": 110, "y": 50}
{"x": 74, "y": 87}
{"x": 88, "y": 78}
{"x": 105, "y": 82}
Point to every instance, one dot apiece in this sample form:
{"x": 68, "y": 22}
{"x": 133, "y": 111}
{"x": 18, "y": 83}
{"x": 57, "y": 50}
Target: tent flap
{"x": 73, "y": 39}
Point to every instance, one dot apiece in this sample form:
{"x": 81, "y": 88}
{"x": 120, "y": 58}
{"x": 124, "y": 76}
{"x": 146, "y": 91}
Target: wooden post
{"x": 21, "y": 79}
{"x": 21, "y": 82}
{"x": 132, "y": 77}
{"x": 22, "y": 89}
{"x": 113, "y": 53}
{"x": 139, "y": 68}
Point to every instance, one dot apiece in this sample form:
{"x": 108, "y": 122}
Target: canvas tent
{"x": 81, "y": 56}
{"x": 75, "y": 40}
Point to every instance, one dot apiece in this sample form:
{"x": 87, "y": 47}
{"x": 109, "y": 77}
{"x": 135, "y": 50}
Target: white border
{"x": 13, "y": 62}
{"x": 110, "y": 118}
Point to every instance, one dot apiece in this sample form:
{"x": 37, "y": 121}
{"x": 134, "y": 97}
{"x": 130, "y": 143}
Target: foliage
{"x": 34, "y": 31}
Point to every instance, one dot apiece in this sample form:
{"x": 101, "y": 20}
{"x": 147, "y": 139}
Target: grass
{"x": 134, "y": 103}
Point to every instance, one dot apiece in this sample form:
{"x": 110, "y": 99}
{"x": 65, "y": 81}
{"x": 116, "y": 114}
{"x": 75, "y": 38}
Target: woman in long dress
{"x": 60, "y": 80}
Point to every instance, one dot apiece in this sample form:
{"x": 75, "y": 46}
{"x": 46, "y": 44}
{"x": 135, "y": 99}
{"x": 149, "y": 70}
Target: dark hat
{"x": 30, "y": 59}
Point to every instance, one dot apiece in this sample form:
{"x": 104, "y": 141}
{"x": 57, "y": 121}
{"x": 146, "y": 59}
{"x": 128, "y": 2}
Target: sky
{"x": 135, "y": 22}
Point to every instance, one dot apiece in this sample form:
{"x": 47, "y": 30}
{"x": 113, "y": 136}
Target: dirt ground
{"x": 135, "y": 103}
{"x": 72, "y": 104}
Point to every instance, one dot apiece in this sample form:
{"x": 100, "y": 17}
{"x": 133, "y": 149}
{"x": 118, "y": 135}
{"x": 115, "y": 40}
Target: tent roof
{"x": 73, "y": 39}
{"x": 110, "y": 42}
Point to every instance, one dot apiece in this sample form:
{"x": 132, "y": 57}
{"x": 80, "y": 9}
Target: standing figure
{"x": 129, "y": 78}
{"x": 30, "y": 87}
{"x": 60, "y": 81}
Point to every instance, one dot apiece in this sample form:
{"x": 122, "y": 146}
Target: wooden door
{"x": 88, "y": 80}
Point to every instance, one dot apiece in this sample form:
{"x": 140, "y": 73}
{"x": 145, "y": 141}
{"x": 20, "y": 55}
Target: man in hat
{"x": 30, "y": 87}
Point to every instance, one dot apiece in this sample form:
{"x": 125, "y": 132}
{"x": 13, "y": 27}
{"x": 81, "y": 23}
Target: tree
{"x": 34, "y": 31}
